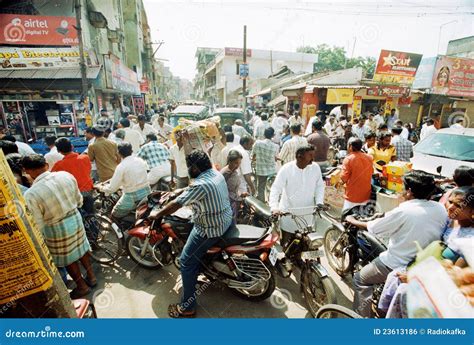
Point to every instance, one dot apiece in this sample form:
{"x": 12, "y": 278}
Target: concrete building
{"x": 203, "y": 57}
{"x": 461, "y": 47}
{"x": 221, "y": 79}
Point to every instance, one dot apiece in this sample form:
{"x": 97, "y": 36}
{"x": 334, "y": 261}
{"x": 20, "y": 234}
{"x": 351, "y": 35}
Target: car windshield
{"x": 452, "y": 146}
{"x": 229, "y": 118}
{"x": 175, "y": 118}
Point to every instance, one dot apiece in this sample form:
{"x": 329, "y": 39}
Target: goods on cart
{"x": 334, "y": 191}
{"x": 394, "y": 172}
{"x": 197, "y": 135}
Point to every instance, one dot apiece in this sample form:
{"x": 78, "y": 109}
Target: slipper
{"x": 175, "y": 312}
{"x": 90, "y": 283}
{"x": 75, "y": 294}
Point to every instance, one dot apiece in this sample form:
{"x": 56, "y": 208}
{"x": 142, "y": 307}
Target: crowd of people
{"x": 242, "y": 161}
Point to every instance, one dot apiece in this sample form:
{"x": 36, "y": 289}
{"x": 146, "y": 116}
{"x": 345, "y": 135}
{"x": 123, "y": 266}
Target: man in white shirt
{"x": 238, "y": 128}
{"x": 143, "y": 128}
{"x": 360, "y": 130}
{"x": 330, "y": 126}
{"x": 428, "y": 130}
{"x": 379, "y": 119}
{"x": 392, "y": 118}
{"x": 131, "y": 176}
{"x": 405, "y": 133}
{"x": 163, "y": 130}
{"x": 53, "y": 155}
{"x": 259, "y": 129}
{"x": 277, "y": 124}
{"x": 23, "y": 148}
{"x": 131, "y": 136}
{"x": 336, "y": 111}
{"x": 179, "y": 169}
{"x": 298, "y": 188}
{"x": 458, "y": 123}
{"x": 416, "y": 219}
{"x": 246, "y": 144}
{"x": 229, "y": 145}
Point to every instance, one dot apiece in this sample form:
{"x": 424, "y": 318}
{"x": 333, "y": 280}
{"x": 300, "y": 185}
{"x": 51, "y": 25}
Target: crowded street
{"x": 232, "y": 177}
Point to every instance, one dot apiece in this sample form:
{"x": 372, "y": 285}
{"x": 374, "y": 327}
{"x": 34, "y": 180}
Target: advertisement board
{"x": 453, "y": 76}
{"x": 396, "y": 67}
{"x": 119, "y": 76}
{"x": 38, "y": 30}
{"x": 340, "y": 96}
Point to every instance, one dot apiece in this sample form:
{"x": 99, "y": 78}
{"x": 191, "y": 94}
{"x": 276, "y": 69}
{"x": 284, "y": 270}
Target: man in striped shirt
{"x": 209, "y": 198}
{"x": 288, "y": 150}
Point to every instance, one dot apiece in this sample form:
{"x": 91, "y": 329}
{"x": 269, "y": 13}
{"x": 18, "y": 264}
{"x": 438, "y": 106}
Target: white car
{"x": 447, "y": 148}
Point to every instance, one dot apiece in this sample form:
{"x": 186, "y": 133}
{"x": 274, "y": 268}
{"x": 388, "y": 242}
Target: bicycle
{"x": 336, "y": 311}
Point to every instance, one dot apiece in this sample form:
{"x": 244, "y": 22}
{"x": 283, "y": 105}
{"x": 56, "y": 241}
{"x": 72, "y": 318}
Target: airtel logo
{"x": 35, "y": 23}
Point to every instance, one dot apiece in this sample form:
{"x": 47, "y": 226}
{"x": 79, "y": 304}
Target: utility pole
{"x": 244, "y": 81}
{"x": 82, "y": 63}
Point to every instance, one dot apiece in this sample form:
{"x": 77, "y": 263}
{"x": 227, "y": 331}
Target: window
{"x": 445, "y": 145}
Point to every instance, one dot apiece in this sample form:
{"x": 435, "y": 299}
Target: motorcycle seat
{"x": 240, "y": 234}
{"x": 260, "y": 207}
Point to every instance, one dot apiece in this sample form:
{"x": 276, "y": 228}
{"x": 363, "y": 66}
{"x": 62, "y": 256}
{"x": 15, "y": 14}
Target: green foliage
{"x": 335, "y": 58}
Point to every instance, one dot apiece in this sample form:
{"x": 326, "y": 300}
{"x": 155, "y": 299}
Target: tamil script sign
{"x": 28, "y": 58}
{"x": 454, "y": 76}
{"x": 396, "y": 67}
{"x": 37, "y": 30}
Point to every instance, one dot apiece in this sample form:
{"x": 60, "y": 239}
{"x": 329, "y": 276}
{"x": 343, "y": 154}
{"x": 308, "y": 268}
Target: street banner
{"x": 244, "y": 70}
{"x": 119, "y": 76}
{"x": 43, "y": 58}
{"x": 340, "y": 96}
{"x": 397, "y": 68}
{"x": 38, "y": 30}
{"x": 454, "y": 76}
{"x": 239, "y": 52}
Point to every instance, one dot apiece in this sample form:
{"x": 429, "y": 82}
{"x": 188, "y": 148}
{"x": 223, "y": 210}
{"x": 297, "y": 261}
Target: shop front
{"x": 40, "y": 91}
{"x": 116, "y": 86}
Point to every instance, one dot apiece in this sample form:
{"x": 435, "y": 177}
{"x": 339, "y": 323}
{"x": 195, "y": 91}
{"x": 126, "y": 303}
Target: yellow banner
{"x": 340, "y": 96}
{"x": 357, "y": 105}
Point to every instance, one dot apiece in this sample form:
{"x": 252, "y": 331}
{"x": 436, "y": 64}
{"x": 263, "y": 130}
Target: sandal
{"x": 76, "y": 293}
{"x": 175, "y": 312}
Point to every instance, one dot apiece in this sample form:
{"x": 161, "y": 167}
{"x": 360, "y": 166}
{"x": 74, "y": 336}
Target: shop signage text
{"x": 38, "y": 30}
{"x": 237, "y": 52}
{"x": 396, "y": 67}
{"x": 388, "y": 91}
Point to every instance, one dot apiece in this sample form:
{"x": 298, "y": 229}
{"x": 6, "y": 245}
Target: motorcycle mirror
{"x": 439, "y": 169}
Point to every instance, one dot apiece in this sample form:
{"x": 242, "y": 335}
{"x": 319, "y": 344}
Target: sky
{"x": 362, "y": 27}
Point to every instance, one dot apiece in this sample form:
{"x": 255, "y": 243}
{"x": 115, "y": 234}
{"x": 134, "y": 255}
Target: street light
{"x": 439, "y": 36}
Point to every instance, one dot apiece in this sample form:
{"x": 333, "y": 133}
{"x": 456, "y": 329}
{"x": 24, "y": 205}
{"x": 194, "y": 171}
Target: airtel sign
{"x": 38, "y": 30}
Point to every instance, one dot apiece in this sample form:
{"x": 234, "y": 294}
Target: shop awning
{"x": 277, "y": 101}
{"x": 310, "y": 88}
{"x": 260, "y": 93}
{"x": 49, "y": 73}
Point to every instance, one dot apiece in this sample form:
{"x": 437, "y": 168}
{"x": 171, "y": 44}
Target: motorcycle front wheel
{"x": 338, "y": 256}
{"x": 260, "y": 292}
{"x": 317, "y": 290}
{"x": 134, "y": 248}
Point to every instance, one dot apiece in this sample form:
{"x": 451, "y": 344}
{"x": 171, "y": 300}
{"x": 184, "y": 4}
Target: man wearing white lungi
{"x": 54, "y": 199}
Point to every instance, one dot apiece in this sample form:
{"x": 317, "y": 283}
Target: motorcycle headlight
{"x": 315, "y": 241}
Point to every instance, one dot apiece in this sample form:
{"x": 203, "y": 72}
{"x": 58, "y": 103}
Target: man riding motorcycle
{"x": 209, "y": 199}
{"x": 416, "y": 219}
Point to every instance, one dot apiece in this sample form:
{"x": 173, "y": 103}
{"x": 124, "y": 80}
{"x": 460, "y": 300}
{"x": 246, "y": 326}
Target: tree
{"x": 335, "y": 58}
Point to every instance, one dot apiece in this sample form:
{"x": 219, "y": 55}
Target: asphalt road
{"x": 126, "y": 290}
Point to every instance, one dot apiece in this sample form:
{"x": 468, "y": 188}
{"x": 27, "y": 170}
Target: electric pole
{"x": 82, "y": 63}
{"x": 244, "y": 81}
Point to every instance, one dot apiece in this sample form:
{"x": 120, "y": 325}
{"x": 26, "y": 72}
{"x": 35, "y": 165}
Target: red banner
{"x": 237, "y": 52}
{"x": 396, "y": 67}
{"x": 38, "y": 30}
{"x": 388, "y": 91}
{"x": 454, "y": 77}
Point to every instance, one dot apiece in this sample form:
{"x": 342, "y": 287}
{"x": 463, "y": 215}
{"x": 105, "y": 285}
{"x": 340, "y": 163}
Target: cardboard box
{"x": 397, "y": 168}
{"x": 395, "y": 186}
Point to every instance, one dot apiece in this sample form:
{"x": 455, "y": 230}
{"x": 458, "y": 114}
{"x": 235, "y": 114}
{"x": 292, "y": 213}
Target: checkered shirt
{"x": 289, "y": 148}
{"x": 265, "y": 152}
{"x": 403, "y": 147}
{"x": 154, "y": 154}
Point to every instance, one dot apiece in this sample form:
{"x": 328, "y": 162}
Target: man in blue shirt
{"x": 209, "y": 199}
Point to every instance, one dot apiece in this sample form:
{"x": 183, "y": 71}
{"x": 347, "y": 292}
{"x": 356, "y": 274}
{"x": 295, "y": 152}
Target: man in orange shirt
{"x": 78, "y": 166}
{"x": 357, "y": 170}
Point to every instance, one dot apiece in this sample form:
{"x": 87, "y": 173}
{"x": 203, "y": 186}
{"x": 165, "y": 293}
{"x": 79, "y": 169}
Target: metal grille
{"x": 253, "y": 271}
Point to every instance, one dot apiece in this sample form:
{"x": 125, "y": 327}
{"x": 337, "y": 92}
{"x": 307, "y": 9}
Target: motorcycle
{"x": 303, "y": 251}
{"x": 239, "y": 260}
{"x": 349, "y": 248}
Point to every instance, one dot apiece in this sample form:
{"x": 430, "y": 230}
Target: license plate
{"x": 273, "y": 256}
{"x": 312, "y": 255}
